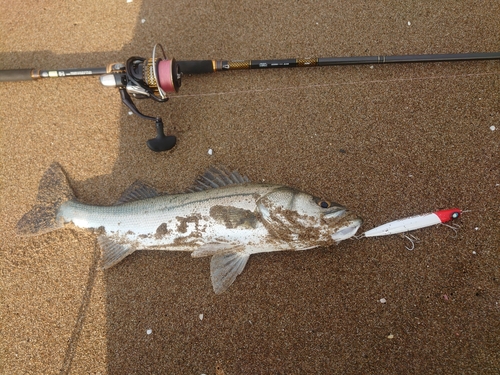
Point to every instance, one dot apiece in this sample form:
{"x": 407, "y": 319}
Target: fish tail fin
{"x": 53, "y": 191}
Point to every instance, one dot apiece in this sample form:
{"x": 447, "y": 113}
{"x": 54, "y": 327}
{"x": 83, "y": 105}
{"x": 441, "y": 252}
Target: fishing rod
{"x": 152, "y": 78}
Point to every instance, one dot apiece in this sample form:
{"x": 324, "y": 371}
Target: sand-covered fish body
{"x": 182, "y": 222}
{"x": 223, "y": 216}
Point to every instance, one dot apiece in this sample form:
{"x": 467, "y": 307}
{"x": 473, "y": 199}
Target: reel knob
{"x": 161, "y": 142}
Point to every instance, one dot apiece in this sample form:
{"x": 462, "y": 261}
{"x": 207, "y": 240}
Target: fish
{"x": 223, "y": 215}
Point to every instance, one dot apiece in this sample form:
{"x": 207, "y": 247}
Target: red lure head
{"x": 448, "y": 215}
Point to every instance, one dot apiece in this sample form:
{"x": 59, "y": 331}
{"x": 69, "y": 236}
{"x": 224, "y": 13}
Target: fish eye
{"x": 455, "y": 215}
{"x": 324, "y": 204}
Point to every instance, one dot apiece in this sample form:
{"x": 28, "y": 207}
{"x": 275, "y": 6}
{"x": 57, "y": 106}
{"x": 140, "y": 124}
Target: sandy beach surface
{"x": 386, "y": 141}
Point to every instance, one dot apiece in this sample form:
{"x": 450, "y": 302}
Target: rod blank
{"x": 407, "y": 58}
{"x": 210, "y": 66}
{"x": 203, "y": 66}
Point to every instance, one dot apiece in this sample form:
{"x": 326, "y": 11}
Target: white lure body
{"x": 404, "y": 225}
{"x": 414, "y": 222}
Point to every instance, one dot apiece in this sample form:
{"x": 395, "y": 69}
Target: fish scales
{"x": 182, "y": 216}
{"x": 224, "y": 216}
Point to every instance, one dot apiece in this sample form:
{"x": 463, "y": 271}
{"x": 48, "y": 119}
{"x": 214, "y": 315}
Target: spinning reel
{"x": 146, "y": 79}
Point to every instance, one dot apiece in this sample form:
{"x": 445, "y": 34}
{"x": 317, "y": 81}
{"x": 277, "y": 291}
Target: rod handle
{"x": 196, "y": 66}
{"x": 13, "y": 75}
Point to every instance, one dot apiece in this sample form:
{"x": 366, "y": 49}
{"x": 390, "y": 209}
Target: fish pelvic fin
{"x": 54, "y": 189}
{"x": 112, "y": 251}
{"x": 225, "y": 267}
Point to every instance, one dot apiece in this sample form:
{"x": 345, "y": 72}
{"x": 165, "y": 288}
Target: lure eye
{"x": 455, "y": 215}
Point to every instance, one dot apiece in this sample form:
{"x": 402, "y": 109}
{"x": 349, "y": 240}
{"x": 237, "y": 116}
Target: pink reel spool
{"x": 168, "y": 75}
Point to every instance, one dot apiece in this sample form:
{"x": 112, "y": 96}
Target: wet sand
{"x": 386, "y": 141}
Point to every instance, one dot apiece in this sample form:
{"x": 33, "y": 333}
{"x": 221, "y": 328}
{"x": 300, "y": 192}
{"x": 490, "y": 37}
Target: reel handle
{"x": 161, "y": 142}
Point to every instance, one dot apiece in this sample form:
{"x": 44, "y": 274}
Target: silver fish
{"x": 223, "y": 215}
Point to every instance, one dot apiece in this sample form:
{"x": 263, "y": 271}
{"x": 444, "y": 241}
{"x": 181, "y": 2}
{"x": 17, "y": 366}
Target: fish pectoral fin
{"x": 215, "y": 248}
{"x": 112, "y": 251}
{"x": 224, "y": 268}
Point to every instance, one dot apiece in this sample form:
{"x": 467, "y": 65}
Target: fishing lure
{"x": 414, "y": 222}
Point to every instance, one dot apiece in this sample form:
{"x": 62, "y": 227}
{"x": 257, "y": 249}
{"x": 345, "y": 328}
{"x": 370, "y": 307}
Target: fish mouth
{"x": 347, "y": 231}
{"x": 334, "y": 214}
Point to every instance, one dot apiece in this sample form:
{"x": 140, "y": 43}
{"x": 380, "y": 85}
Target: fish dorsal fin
{"x": 225, "y": 267}
{"x": 137, "y": 191}
{"x": 216, "y": 177}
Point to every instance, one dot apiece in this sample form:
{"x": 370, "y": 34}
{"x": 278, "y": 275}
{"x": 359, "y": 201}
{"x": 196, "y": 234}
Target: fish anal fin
{"x": 137, "y": 191}
{"x": 112, "y": 251}
{"x": 225, "y": 267}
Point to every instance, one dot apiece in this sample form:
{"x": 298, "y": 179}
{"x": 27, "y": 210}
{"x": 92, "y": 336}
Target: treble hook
{"x": 454, "y": 228}
{"x": 412, "y": 239}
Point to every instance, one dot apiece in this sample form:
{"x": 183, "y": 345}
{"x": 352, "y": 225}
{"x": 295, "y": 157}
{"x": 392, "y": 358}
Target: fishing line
{"x": 325, "y": 85}
{"x": 82, "y": 313}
